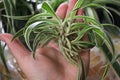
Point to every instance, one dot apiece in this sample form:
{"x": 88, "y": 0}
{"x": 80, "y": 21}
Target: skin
{"x": 49, "y": 63}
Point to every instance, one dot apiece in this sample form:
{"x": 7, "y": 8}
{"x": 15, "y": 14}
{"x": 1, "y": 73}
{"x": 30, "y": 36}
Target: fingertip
{"x": 62, "y": 10}
{"x": 71, "y": 5}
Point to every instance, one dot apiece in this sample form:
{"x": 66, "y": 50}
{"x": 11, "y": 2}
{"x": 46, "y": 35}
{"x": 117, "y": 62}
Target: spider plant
{"x": 69, "y": 35}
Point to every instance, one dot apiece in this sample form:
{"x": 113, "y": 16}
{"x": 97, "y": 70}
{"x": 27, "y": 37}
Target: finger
{"x": 80, "y": 12}
{"x": 71, "y": 5}
{"x": 61, "y": 10}
{"x": 16, "y": 47}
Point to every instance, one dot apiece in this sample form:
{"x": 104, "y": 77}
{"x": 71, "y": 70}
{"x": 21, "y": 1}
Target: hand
{"x": 49, "y": 63}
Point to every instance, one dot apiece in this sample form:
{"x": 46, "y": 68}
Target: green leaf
{"x": 18, "y": 34}
{"x": 43, "y": 18}
{"x": 100, "y": 6}
{"x": 8, "y": 10}
{"x": 76, "y": 7}
{"x": 89, "y": 20}
{"x": 85, "y": 44}
{"x": 98, "y": 40}
{"x": 118, "y": 56}
{"x": 39, "y": 37}
{"x": 102, "y": 2}
{"x": 89, "y": 11}
{"x": 114, "y": 10}
{"x": 42, "y": 26}
{"x": 79, "y": 78}
{"x": 56, "y": 3}
{"x": 109, "y": 56}
{"x": 107, "y": 17}
{"x": 105, "y": 73}
{"x": 83, "y": 76}
{"x": 19, "y": 17}
{"x": 68, "y": 43}
{"x": 47, "y": 40}
{"x": 37, "y": 17}
{"x": 67, "y": 55}
{"x": 105, "y": 38}
{"x": 76, "y": 26}
{"x": 112, "y": 29}
{"x": 49, "y": 9}
{"x": 82, "y": 33}
{"x": 28, "y": 31}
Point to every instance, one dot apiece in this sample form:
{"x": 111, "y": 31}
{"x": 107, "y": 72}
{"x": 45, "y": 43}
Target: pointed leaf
{"x": 109, "y": 56}
{"x": 49, "y": 9}
{"x": 18, "y": 34}
{"x": 76, "y": 7}
{"x": 19, "y": 17}
{"x": 27, "y": 33}
{"x": 105, "y": 72}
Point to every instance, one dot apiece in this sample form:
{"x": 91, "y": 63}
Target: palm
{"x": 49, "y": 64}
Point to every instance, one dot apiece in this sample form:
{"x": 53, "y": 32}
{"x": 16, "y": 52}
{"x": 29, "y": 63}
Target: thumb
{"x": 17, "y": 49}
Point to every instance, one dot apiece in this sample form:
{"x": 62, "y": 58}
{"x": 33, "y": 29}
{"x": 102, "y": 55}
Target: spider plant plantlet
{"x": 68, "y": 34}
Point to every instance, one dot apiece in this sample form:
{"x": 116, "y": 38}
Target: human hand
{"x": 49, "y": 63}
